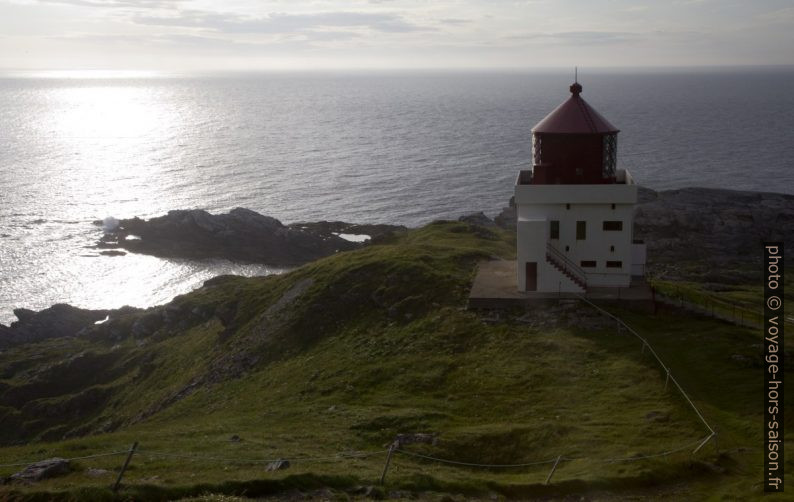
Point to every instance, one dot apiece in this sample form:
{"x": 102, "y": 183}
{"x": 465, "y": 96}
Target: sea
{"x": 384, "y": 147}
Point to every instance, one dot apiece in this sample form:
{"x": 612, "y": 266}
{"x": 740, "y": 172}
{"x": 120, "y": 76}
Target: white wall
{"x": 533, "y": 233}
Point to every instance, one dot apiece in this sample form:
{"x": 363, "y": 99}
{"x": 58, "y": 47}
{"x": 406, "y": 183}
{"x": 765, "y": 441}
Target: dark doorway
{"x": 532, "y": 276}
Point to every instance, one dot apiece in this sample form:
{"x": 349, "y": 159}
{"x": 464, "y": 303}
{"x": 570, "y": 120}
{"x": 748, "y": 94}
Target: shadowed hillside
{"x": 343, "y": 354}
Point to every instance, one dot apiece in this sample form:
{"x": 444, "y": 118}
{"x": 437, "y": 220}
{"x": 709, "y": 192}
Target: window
{"x": 567, "y": 206}
{"x": 587, "y": 263}
{"x": 610, "y": 150}
{"x": 613, "y": 206}
{"x": 612, "y": 249}
{"x": 554, "y": 229}
{"x": 581, "y": 230}
{"x": 614, "y": 264}
{"x": 616, "y": 226}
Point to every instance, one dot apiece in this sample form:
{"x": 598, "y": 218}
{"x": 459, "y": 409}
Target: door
{"x": 532, "y": 276}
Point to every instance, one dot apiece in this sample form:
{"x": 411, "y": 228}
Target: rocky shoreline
{"x": 240, "y": 235}
{"x": 702, "y": 234}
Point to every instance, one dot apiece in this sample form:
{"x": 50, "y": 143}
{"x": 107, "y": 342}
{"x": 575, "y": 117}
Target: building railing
{"x": 622, "y": 177}
{"x": 566, "y": 264}
{"x": 524, "y": 177}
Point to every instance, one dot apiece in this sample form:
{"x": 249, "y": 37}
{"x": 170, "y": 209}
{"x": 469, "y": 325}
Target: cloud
{"x": 281, "y": 23}
{"x": 581, "y": 37}
{"x": 454, "y": 21}
{"x": 141, "y": 4}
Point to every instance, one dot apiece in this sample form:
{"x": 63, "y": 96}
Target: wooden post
{"x": 553, "y": 468}
{"x": 124, "y": 467}
{"x": 392, "y": 447}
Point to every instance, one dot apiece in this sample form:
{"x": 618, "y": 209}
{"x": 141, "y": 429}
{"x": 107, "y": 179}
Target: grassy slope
{"x": 375, "y": 343}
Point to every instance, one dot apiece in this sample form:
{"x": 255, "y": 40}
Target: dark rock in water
{"x": 240, "y": 235}
{"x": 277, "y": 465}
{"x": 376, "y": 231}
{"x": 24, "y": 314}
{"x": 58, "y": 321}
{"x": 42, "y": 470}
{"x": 112, "y": 252}
{"x": 477, "y": 219}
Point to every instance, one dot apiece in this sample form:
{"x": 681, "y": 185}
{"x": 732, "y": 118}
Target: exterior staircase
{"x": 568, "y": 268}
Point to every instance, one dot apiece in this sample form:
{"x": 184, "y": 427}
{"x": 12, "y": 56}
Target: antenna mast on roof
{"x": 576, "y": 74}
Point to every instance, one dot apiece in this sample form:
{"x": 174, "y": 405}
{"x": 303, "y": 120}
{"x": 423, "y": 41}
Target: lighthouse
{"x": 574, "y": 208}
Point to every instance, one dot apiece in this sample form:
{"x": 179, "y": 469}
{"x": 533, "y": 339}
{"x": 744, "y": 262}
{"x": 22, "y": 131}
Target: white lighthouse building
{"x": 575, "y": 209}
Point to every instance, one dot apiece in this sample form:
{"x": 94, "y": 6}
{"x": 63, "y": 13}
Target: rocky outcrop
{"x": 718, "y": 228}
{"x": 477, "y": 219}
{"x": 240, "y": 235}
{"x": 42, "y": 470}
{"x": 713, "y": 228}
{"x": 58, "y": 321}
{"x": 376, "y": 231}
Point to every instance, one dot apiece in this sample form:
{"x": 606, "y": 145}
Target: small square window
{"x": 587, "y": 263}
{"x": 614, "y": 226}
{"x": 614, "y": 264}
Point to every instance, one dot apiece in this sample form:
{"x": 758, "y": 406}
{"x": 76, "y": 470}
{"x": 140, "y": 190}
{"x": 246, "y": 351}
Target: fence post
{"x": 392, "y": 447}
{"x": 124, "y": 467}
{"x": 553, "y": 468}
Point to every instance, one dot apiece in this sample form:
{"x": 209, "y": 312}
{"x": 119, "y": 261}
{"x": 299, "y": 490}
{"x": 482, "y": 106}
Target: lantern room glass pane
{"x": 536, "y": 149}
{"x": 610, "y": 155}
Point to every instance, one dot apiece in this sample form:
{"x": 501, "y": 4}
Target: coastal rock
{"x": 507, "y": 218}
{"x": 240, "y": 235}
{"x": 477, "y": 219}
{"x": 58, "y": 321}
{"x": 376, "y": 231}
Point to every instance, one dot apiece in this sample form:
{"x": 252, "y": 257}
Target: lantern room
{"x": 574, "y": 145}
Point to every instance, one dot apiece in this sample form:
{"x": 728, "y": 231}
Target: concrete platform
{"x": 495, "y": 287}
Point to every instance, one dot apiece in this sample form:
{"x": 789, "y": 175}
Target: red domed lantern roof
{"x": 574, "y": 116}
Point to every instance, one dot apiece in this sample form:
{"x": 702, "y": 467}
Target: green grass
{"x": 344, "y": 353}
{"x": 742, "y": 303}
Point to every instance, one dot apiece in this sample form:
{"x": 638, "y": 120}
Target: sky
{"x": 185, "y": 35}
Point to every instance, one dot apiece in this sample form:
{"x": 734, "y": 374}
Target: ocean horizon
{"x": 367, "y": 147}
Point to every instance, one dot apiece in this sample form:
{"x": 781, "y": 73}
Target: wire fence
{"x": 669, "y": 375}
{"x": 709, "y": 305}
{"x": 398, "y": 447}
